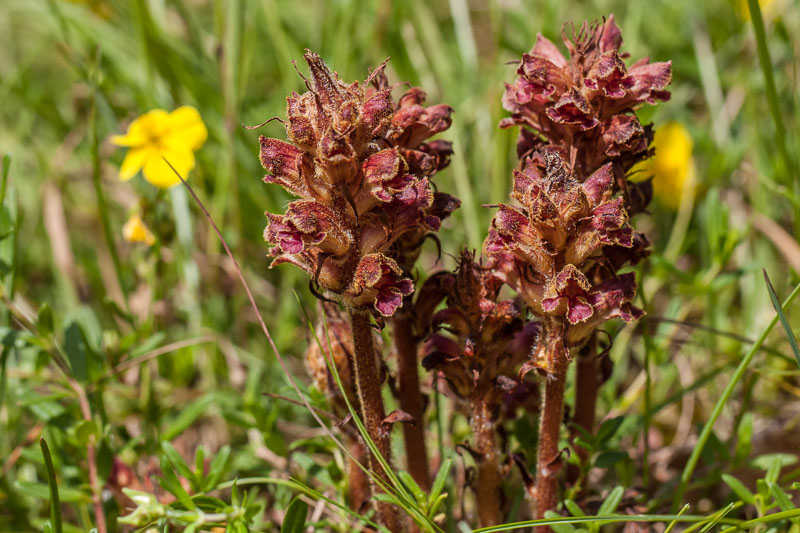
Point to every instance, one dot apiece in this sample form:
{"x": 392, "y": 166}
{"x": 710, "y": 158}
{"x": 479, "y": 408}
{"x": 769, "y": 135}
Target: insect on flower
{"x": 156, "y": 136}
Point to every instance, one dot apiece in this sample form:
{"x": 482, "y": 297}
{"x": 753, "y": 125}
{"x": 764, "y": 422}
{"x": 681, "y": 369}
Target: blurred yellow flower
{"x": 744, "y": 10}
{"x": 158, "y": 135}
{"x": 135, "y": 230}
{"x": 672, "y": 166}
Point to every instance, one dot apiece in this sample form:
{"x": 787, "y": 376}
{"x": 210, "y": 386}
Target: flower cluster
{"x": 473, "y": 345}
{"x": 561, "y": 249}
{"x": 477, "y": 346}
{"x": 585, "y": 104}
{"x": 361, "y": 166}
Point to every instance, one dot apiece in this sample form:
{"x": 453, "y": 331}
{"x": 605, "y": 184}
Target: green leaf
{"x": 611, "y": 502}
{"x": 42, "y": 492}
{"x": 77, "y": 351}
{"x": 608, "y": 429}
{"x": 610, "y": 458}
{"x": 772, "y": 463}
{"x": 739, "y": 489}
{"x": 209, "y": 504}
{"x": 436, "y": 503}
{"x": 171, "y": 483}
{"x": 441, "y": 478}
{"x": 744, "y": 438}
{"x": 573, "y": 508}
{"x": 84, "y": 431}
{"x": 558, "y": 528}
{"x": 235, "y": 493}
{"x": 6, "y": 230}
{"x": 55, "y": 501}
{"x": 187, "y": 417}
{"x": 776, "y": 303}
{"x": 295, "y": 519}
{"x": 412, "y": 485}
{"x": 176, "y": 460}
{"x": 383, "y": 497}
{"x": 783, "y": 499}
{"x": 217, "y": 468}
{"x": 4, "y": 177}
{"x": 44, "y": 321}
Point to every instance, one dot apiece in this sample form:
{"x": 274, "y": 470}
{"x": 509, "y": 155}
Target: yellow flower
{"x": 672, "y": 166}
{"x": 135, "y": 230}
{"x": 743, "y": 10}
{"x": 158, "y": 135}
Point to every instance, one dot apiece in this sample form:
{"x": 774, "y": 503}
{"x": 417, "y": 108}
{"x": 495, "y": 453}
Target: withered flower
{"x": 586, "y": 103}
{"x": 477, "y": 346}
{"x": 561, "y": 248}
{"x": 551, "y": 249}
{"x": 361, "y": 166}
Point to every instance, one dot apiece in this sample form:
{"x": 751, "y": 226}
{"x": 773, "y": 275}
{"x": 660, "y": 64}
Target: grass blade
{"x": 776, "y": 303}
{"x": 4, "y": 177}
{"x": 769, "y": 78}
{"x": 675, "y": 522}
{"x": 55, "y": 501}
{"x": 767, "y": 519}
{"x": 614, "y": 519}
{"x": 705, "y": 434}
{"x": 295, "y": 519}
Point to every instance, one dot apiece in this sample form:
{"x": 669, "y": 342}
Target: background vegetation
{"x": 162, "y": 344}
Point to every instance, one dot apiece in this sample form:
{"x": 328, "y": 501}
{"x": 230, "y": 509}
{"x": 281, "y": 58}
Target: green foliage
{"x": 150, "y": 357}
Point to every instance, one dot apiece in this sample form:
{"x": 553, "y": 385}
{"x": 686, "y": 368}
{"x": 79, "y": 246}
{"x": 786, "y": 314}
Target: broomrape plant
{"x": 451, "y": 388}
{"x": 362, "y": 165}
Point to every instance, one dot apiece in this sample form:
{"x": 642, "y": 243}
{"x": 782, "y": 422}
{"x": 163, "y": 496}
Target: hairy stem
{"x": 372, "y": 411}
{"x": 489, "y": 476}
{"x": 587, "y": 383}
{"x": 411, "y": 399}
{"x": 358, "y": 491}
{"x": 548, "y": 459}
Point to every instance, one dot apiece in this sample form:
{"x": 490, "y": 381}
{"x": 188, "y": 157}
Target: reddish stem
{"x": 549, "y": 461}
{"x": 94, "y": 483}
{"x": 487, "y": 484}
{"x": 373, "y": 413}
{"x": 411, "y": 399}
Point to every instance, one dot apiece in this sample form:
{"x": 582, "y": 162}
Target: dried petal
{"x": 572, "y": 108}
{"x": 624, "y": 134}
{"x": 598, "y": 186}
{"x": 608, "y": 74}
{"x": 285, "y": 162}
{"x": 545, "y": 48}
{"x": 567, "y": 295}
{"x": 651, "y": 81}
{"x": 378, "y": 280}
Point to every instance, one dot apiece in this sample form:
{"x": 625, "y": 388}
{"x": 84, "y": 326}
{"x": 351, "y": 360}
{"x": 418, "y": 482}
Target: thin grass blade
{"x": 705, "y": 434}
{"x": 55, "y": 501}
{"x": 776, "y": 303}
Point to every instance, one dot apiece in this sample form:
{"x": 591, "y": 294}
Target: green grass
{"x": 74, "y": 73}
